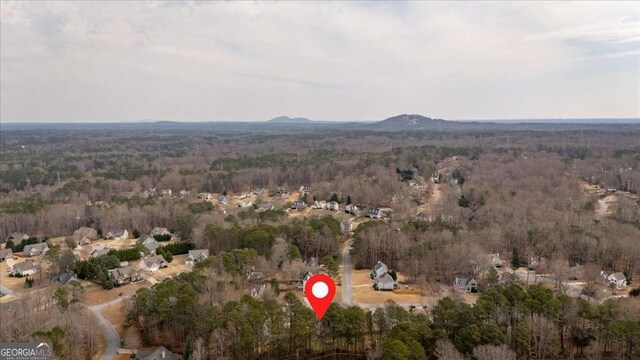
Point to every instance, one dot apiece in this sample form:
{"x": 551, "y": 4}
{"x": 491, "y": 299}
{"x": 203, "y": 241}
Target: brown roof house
{"x": 35, "y": 249}
{"x": 124, "y": 275}
{"x": 85, "y": 235}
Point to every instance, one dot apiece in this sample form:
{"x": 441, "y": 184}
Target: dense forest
{"x": 456, "y": 197}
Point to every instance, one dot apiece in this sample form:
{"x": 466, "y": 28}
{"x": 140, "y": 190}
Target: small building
{"x": 385, "y": 283}
{"x": 436, "y": 178}
{"x": 85, "y": 235}
{"x": 536, "y": 262}
{"x": 205, "y": 196}
{"x": 265, "y": 207}
{"x": 319, "y": 205}
{"x": 25, "y": 268}
{"x": 35, "y": 249}
{"x": 374, "y": 213}
{"x": 576, "y": 271}
{"x": 223, "y": 199}
{"x": 166, "y": 192}
{"x": 298, "y": 205}
{"x": 351, "y": 209}
{"x": 159, "y": 231}
{"x": 159, "y": 353}
{"x": 617, "y": 280}
{"x": 184, "y": 194}
{"x": 124, "y": 275}
{"x": 496, "y": 262}
{"x": 313, "y": 262}
{"x": 119, "y": 234}
{"x": 333, "y": 206}
{"x": 153, "y": 263}
{"x": 422, "y": 217}
{"x": 379, "y": 269}
{"x": 6, "y": 254}
{"x": 465, "y": 284}
{"x": 196, "y": 256}
{"x": 257, "y": 291}
{"x": 145, "y": 239}
{"x": 346, "y": 226}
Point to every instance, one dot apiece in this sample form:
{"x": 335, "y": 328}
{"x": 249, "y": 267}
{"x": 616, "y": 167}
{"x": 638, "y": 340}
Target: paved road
{"x": 111, "y": 337}
{"x": 7, "y": 291}
{"x": 347, "y": 286}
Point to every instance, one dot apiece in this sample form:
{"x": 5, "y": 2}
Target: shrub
{"x": 165, "y": 237}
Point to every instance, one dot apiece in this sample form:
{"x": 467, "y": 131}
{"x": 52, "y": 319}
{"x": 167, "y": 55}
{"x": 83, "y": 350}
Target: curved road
{"x": 111, "y": 337}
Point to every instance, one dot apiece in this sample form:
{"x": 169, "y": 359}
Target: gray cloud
{"x": 112, "y": 61}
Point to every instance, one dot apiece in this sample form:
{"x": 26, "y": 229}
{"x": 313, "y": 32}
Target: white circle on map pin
{"x": 320, "y": 290}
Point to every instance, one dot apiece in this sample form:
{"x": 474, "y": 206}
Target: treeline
{"x": 513, "y": 321}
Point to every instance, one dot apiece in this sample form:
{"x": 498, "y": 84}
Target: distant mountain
{"x": 288, "y": 120}
{"x": 412, "y": 121}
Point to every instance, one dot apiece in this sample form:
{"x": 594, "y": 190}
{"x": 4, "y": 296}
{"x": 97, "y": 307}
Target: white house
{"x": 618, "y": 280}
{"x": 195, "y": 256}
{"x": 204, "y": 196}
{"x": 36, "y": 249}
{"x": 24, "y": 268}
{"x": 159, "y": 231}
{"x": 333, "y": 206}
{"x": 385, "y": 282}
{"x": 153, "y": 263}
{"x": 465, "y": 284}
{"x": 166, "y": 192}
{"x": 6, "y": 254}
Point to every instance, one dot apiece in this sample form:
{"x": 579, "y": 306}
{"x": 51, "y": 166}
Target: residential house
{"x": 166, "y": 192}
{"x": 160, "y": 231}
{"x": 298, "y": 205}
{"x": 6, "y": 254}
{"x": 465, "y": 284}
{"x": 576, "y": 271}
{"x": 351, "y": 209}
{"x": 617, "y": 280}
{"x": 153, "y": 263}
{"x": 85, "y": 235}
{"x": 436, "y": 178}
{"x": 36, "y": 249}
{"x": 374, "y": 213}
{"x": 195, "y": 256}
{"x": 281, "y": 191}
{"x": 242, "y": 196}
{"x": 422, "y": 217}
{"x": 319, "y": 205}
{"x": 151, "y": 247}
{"x": 257, "y": 290}
{"x": 25, "y": 268}
{"x": 223, "y": 199}
{"x": 100, "y": 251}
{"x": 379, "y": 269}
{"x": 205, "y": 196}
{"x": 120, "y": 234}
{"x": 496, "y": 262}
{"x": 183, "y": 194}
{"x": 385, "y": 282}
{"x": 145, "y": 239}
{"x": 333, "y": 206}
{"x": 66, "y": 278}
{"x": 536, "y": 262}
{"x": 159, "y": 353}
{"x": 124, "y": 275}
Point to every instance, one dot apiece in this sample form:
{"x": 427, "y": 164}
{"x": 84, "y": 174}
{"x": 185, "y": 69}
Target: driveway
{"x": 347, "y": 286}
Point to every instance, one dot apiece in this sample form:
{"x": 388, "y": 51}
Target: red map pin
{"x": 320, "y": 291}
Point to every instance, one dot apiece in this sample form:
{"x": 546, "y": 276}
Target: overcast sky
{"x": 92, "y": 61}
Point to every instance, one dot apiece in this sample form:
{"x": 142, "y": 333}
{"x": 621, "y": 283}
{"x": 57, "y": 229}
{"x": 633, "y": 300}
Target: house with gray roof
{"x": 465, "y": 284}
{"x": 379, "y": 269}
{"x": 66, "y": 278}
{"x": 195, "y": 256}
{"x": 119, "y": 234}
{"x": 153, "y": 263}
{"x": 385, "y": 282}
{"x": 257, "y": 291}
{"x": 125, "y": 275}
{"x": 100, "y": 251}
{"x": 617, "y": 280}
{"x": 24, "y": 268}
{"x": 35, "y": 249}
{"x": 159, "y": 353}
{"x": 85, "y": 235}
{"x": 160, "y": 231}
